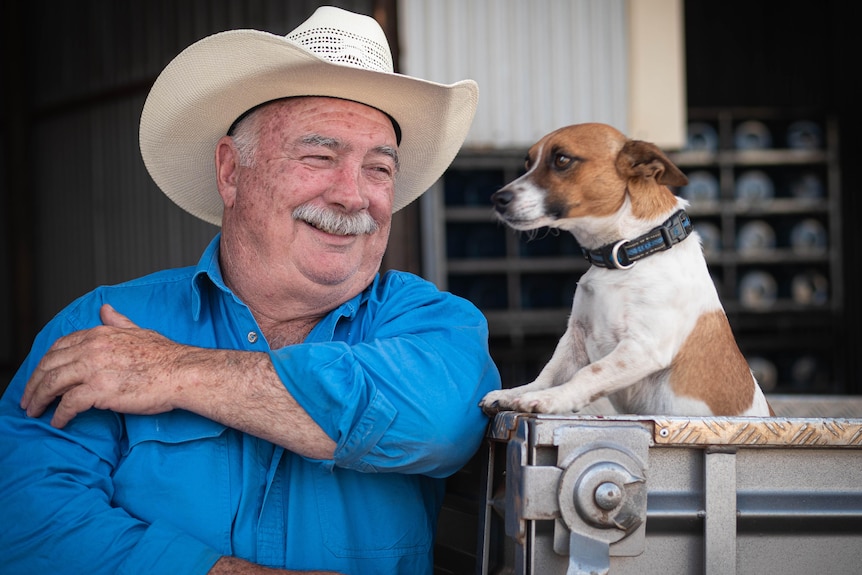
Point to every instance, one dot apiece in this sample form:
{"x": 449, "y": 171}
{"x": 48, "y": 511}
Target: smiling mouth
{"x": 324, "y": 230}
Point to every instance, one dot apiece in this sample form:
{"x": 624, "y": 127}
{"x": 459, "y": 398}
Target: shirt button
{"x": 252, "y": 337}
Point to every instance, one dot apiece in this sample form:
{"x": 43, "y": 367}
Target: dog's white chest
{"x": 654, "y": 303}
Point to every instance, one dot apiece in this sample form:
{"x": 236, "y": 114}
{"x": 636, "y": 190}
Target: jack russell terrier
{"x": 647, "y": 329}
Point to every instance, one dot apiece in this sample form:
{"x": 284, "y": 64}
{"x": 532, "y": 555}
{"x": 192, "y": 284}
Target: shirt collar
{"x": 208, "y": 267}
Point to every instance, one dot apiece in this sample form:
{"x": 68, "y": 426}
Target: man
{"x": 280, "y": 407}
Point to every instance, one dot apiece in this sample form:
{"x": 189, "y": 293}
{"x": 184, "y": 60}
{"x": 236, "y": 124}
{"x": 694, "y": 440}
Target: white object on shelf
{"x": 758, "y": 290}
{"x": 755, "y": 235}
{"x": 752, "y": 135}
{"x": 754, "y": 185}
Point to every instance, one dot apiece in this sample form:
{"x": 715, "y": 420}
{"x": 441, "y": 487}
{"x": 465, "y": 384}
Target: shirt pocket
{"x": 376, "y": 515}
{"x": 171, "y": 428}
{"x": 175, "y": 468}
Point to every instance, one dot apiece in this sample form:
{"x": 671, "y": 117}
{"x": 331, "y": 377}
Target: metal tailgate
{"x": 640, "y": 495}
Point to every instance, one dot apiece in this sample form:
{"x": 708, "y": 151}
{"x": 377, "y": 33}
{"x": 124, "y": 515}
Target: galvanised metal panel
{"x": 651, "y": 494}
{"x": 540, "y": 64}
{"x": 6, "y": 311}
{"x": 100, "y": 219}
{"x": 90, "y": 47}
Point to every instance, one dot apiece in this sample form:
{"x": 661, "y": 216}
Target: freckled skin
{"x": 307, "y": 271}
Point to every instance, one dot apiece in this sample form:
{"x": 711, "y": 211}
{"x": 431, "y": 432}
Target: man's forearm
{"x": 241, "y": 389}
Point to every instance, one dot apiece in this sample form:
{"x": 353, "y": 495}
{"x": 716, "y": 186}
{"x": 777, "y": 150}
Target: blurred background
{"x": 756, "y": 100}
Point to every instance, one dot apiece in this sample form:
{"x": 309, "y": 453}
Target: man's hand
{"x": 233, "y": 566}
{"x": 116, "y": 366}
{"x": 124, "y": 368}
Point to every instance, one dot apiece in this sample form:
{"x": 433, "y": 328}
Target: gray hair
{"x": 246, "y": 138}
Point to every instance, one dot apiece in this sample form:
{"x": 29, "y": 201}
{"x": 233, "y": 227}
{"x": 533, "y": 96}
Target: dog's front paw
{"x": 547, "y": 401}
{"x": 500, "y": 400}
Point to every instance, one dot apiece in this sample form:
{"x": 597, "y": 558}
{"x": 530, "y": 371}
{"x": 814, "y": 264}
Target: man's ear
{"x": 227, "y": 167}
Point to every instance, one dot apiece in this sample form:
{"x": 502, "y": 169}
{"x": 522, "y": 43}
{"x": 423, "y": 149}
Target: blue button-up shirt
{"x": 394, "y": 376}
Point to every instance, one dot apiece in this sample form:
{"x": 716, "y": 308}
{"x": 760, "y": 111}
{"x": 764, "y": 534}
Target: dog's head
{"x": 588, "y": 170}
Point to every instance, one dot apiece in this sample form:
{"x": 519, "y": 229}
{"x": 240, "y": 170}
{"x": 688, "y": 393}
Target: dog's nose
{"x": 502, "y": 198}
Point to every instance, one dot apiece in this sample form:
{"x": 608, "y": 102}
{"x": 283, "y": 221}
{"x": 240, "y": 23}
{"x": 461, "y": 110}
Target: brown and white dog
{"x": 647, "y": 328}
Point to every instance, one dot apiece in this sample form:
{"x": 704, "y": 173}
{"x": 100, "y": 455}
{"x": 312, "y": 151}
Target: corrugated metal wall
{"x": 7, "y": 345}
{"x": 540, "y": 64}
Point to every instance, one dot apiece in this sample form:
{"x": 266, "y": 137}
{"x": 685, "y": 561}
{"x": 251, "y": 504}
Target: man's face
{"x": 322, "y": 154}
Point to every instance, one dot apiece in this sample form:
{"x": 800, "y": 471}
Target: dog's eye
{"x": 562, "y": 161}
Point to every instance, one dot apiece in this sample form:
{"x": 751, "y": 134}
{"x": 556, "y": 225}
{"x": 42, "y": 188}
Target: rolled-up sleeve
{"x": 400, "y": 391}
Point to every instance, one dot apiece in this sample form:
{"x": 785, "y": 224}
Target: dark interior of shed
{"x": 788, "y": 55}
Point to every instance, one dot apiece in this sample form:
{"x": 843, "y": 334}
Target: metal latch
{"x": 596, "y": 493}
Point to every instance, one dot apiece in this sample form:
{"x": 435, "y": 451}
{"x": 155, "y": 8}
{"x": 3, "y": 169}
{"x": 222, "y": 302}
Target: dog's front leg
{"x": 627, "y": 364}
{"x": 569, "y": 356}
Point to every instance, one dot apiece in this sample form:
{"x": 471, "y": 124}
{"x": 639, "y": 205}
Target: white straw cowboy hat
{"x": 334, "y": 53}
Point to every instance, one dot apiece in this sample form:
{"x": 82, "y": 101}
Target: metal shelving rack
{"x": 792, "y": 334}
{"x": 730, "y": 163}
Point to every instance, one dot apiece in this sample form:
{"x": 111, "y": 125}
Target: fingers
{"x": 117, "y": 366}
{"x": 62, "y": 381}
{"x": 57, "y": 373}
{"x": 64, "y": 365}
{"x": 71, "y": 404}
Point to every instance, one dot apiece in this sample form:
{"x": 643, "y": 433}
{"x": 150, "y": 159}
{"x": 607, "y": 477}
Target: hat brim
{"x": 211, "y": 83}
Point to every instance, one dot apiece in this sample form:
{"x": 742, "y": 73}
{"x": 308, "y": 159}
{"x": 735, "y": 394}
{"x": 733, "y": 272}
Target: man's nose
{"x": 347, "y": 189}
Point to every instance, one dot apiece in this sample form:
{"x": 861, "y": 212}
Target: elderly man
{"x": 281, "y": 406}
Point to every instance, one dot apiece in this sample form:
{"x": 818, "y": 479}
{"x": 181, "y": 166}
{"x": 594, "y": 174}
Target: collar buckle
{"x": 615, "y": 257}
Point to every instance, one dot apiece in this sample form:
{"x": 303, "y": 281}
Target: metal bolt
{"x": 608, "y": 495}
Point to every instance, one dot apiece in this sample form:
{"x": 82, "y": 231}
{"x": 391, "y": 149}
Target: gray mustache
{"x": 335, "y": 222}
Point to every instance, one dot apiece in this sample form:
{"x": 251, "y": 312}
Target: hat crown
{"x": 342, "y": 37}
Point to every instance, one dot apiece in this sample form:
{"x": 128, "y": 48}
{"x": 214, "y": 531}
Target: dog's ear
{"x": 646, "y": 160}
